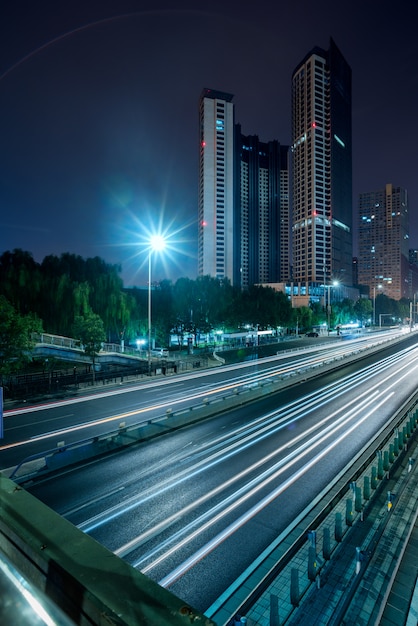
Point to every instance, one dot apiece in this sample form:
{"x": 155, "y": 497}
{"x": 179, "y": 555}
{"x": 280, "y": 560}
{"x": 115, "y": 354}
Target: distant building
{"x": 244, "y": 221}
{"x": 383, "y": 247}
{"x": 263, "y": 211}
{"x": 216, "y": 215}
{"x": 355, "y": 271}
{"x": 322, "y": 171}
{"x": 413, "y": 279}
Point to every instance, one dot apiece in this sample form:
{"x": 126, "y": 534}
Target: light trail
{"x": 335, "y": 348}
{"x": 253, "y": 434}
{"x": 177, "y": 573}
{"x": 259, "y": 481}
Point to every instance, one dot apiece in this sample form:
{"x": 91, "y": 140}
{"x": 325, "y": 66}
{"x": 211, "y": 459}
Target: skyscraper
{"x": 383, "y": 259}
{"x": 216, "y": 235}
{"x": 322, "y": 170}
{"x": 263, "y": 211}
{"x": 243, "y": 199}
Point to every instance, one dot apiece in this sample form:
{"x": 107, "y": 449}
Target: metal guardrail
{"x": 243, "y": 595}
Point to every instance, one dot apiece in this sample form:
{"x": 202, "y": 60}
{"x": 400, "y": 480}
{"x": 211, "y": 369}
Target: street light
{"x": 156, "y": 244}
{"x": 374, "y": 303}
{"x": 335, "y": 283}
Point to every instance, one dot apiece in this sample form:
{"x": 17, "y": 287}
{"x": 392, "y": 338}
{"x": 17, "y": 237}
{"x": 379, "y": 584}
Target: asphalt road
{"x": 193, "y": 509}
{"x": 31, "y": 429}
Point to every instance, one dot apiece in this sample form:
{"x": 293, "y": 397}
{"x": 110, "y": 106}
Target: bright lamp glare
{"x": 157, "y": 243}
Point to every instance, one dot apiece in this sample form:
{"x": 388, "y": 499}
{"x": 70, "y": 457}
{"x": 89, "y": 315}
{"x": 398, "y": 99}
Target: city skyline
{"x": 93, "y": 98}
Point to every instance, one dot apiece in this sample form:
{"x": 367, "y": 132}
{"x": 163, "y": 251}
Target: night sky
{"x": 99, "y": 112}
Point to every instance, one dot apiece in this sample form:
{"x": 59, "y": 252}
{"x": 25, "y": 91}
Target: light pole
{"x": 329, "y": 308}
{"x": 335, "y": 283}
{"x": 374, "y": 303}
{"x": 156, "y": 244}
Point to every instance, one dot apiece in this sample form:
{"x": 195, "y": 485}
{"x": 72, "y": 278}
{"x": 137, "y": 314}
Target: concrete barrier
{"x": 85, "y": 580}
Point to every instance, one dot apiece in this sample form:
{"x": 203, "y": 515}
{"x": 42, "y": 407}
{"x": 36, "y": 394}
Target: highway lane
{"x": 192, "y": 510}
{"x": 34, "y": 429}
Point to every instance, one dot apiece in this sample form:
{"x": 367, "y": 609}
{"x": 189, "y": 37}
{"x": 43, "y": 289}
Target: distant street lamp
{"x": 374, "y": 303}
{"x": 156, "y": 244}
{"x": 335, "y": 283}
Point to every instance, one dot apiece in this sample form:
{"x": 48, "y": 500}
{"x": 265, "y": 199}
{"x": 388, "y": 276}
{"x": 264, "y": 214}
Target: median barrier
{"x": 172, "y": 419}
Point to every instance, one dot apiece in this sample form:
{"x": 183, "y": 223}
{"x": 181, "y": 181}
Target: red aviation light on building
{"x": 313, "y": 124}
{"x": 203, "y": 144}
{"x": 204, "y": 223}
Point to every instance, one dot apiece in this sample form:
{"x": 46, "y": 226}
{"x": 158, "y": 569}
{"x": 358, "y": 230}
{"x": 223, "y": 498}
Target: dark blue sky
{"x": 98, "y": 111}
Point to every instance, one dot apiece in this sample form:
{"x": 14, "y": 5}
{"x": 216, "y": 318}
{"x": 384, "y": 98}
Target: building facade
{"x": 263, "y": 211}
{"x": 243, "y": 199}
{"x": 383, "y": 246}
{"x": 322, "y": 171}
{"x": 216, "y": 224}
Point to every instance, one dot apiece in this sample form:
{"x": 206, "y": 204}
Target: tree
{"x": 16, "y": 343}
{"x": 363, "y": 309}
{"x": 20, "y": 280}
{"x": 304, "y": 316}
{"x": 90, "y": 330}
{"x": 344, "y": 311}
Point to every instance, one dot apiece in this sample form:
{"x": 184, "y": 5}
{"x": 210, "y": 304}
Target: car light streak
{"x": 236, "y": 444}
{"x": 247, "y": 490}
{"x": 253, "y": 435}
{"x": 229, "y": 530}
{"x": 159, "y": 383}
{"x": 113, "y": 418}
{"x": 44, "y": 421}
{"x": 110, "y": 419}
{"x": 95, "y": 500}
{"x": 331, "y": 349}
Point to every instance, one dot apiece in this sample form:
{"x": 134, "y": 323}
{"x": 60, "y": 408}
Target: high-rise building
{"x": 413, "y": 256}
{"x": 383, "y": 246}
{"x": 413, "y": 280}
{"x": 216, "y": 225}
{"x": 322, "y": 171}
{"x": 243, "y": 231}
{"x": 263, "y": 211}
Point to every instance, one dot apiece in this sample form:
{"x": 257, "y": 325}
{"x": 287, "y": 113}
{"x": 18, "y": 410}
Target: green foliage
{"x": 60, "y": 288}
{"x": 363, "y": 310}
{"x": 63, "y": 289}
{"x": 303, "y": 317}
{"x": 318, "y": 315}
{"x": 90, "y": 330}
{"x": 20, "y": 280}
{"x": 16, "y": 342}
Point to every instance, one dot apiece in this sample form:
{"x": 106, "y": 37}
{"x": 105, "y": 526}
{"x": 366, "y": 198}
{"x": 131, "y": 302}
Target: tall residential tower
{"x": 216, "y": 185}
{"x": 263, "y": 211}
{"x": 322, "y": 171}
{"x": 383, "y": 259}
{"x": 243, "y": 199}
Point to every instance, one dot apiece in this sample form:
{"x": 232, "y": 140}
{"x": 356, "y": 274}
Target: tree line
{"x": 85, "y": 299}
